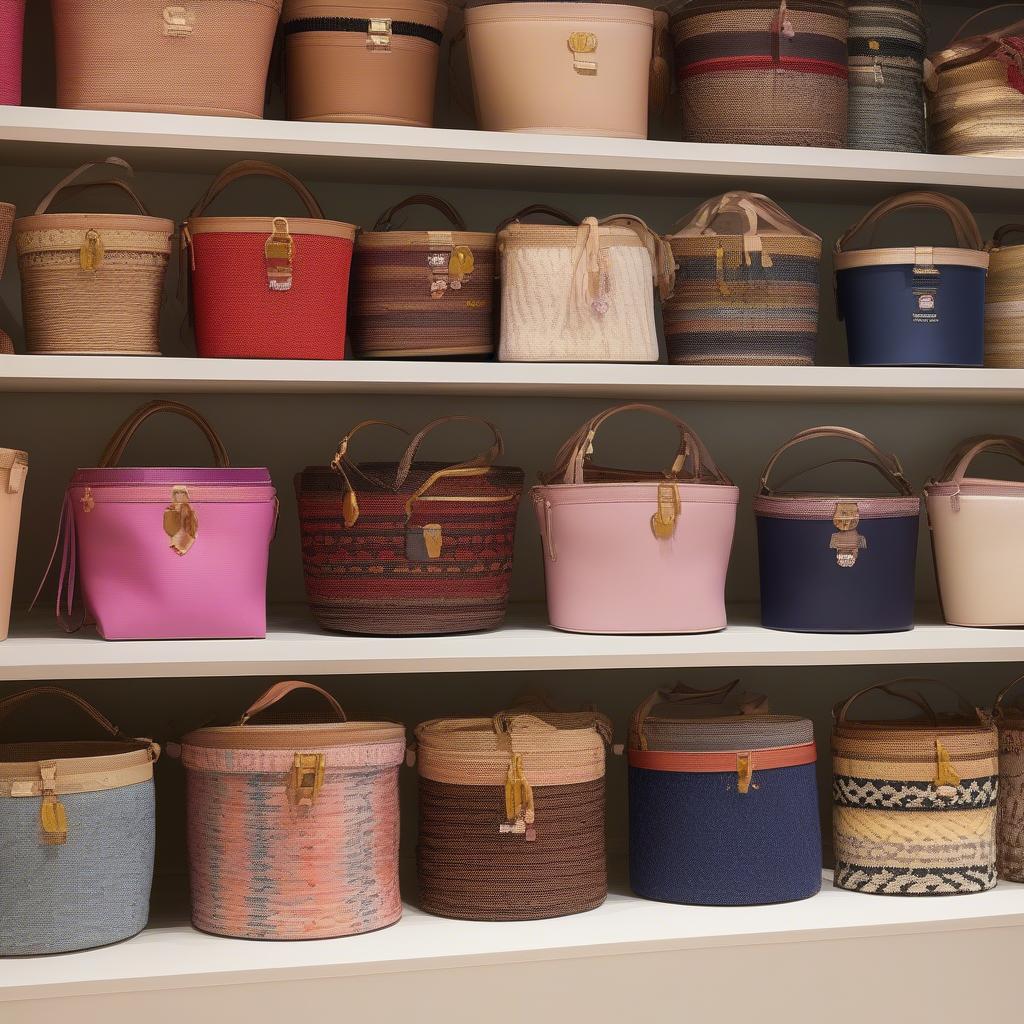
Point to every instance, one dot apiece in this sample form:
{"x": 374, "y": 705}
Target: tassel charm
{"x": 946, "y": 778}
{"x": 53, "y": 818}
{"x": 519, "y": 809}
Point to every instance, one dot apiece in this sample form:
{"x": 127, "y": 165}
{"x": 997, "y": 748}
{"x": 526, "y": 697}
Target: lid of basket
{"x": 525, "y": 731}
{"x": 727, "y": 732}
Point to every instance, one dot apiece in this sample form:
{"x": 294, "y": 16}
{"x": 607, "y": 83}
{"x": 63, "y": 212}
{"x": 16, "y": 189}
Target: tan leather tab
{"x": 580, "y": 44}
{"x": 663, "y": 522}
{"x": 178, "y": 22}
{"x": 744, "y": 771}
{"x": 181, "y": 523}
{"x": 279, "y": 251}
{"x": 306, "y": 779}
{"x": 16, "y": 478}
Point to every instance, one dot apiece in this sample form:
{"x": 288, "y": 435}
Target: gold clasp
{"x": 87, "y": 500}
{"x": 580, "y": 43}
{"x": 278, "y": 252}
{"x": 181, "y": 523}
{"x": 90, "y": 256}
{"x": 744, "y": 772}
{"x": 663, "y": 522}
{"x": 53, "y": 818}
{"x": 846, "y": 516}
{"x": 848, "y": 543}
{"x": 460, "y": 266}
{"x": 379, "y": 34}
{"x": 306, "y": 778}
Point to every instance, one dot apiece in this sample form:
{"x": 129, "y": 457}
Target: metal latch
{"x": 663, "y": 522}
{"x": 90, "y": 256}
{"x": 181, "y": 523}
{"x": 848, "y": 543}
{"x": 306, "y": 779}
{"x": 379, "y": 34}
{"x": 278, "y": 253}
{"x": 581, "y": 43}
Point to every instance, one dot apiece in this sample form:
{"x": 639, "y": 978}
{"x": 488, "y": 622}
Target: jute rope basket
{"x": 1004, "y": 300}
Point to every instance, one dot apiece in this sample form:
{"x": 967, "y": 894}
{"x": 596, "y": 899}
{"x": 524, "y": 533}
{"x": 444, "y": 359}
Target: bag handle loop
{"x": 483, "y": 461}
{"x": 122, "y": 436}
{"x": 965, "y": 453}
{"x": 538, "y": 210}
{"x": 886, "y": 463}
{"x": 978, "y": 14}
{"x": 421, "y": 199}
{"x": 15, "y": 700}
{"x": 746, "y": 704}
{"x": 1006, "y": 229}
{"x": 67, "y": 183}
{"x": 960, "y": 217}
{"x": 841, "y": 709}
{"x": 257, "y": 168}
{"x": 279, "y": 691}
{"x": 997, "y": 706}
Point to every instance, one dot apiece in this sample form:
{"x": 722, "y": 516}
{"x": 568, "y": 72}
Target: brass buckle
{"x": 379, "y": 34}
{"x": 181, "y": 523}
{"x": 306, "y": 778}
{"x": 278, "y": 253}
{"x": 90, "y": 256}
{"x": 581, "y": 43}
{"x": 663, "y": 522}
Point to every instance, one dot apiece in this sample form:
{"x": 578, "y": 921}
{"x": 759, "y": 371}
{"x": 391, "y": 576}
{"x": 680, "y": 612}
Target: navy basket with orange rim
{"x": 407, "y": 547}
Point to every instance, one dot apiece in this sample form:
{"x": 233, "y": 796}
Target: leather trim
{"x": 722, "y": 761}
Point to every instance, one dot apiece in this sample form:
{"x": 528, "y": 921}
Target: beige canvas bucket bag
{"x": 13, "y": 472}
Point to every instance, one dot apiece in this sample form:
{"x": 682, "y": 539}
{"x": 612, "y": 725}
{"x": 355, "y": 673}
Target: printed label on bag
{"x": 925, "y": 300}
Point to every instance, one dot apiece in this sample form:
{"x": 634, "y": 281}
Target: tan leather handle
{"x": 982, "y": 13}
{"x": 421, "y": 199}
{"x": 124, "y": 433}
{"x": 663, "y": 263}
{"x": 915, "y": 697}
{"x": 746, "y": 704}
{"x": 964, "y": 225}
{"x": 67, "y": 183}
{"x": 887, "y": 463}
{"x": 997, "y": 444}
{"x": 281, "y": 690}
{"x": 539, "y": 209}
{"x": 342, "y": 453}
{"x": 70, "y": 191}
{"x": 1007, "y": 229}
{"x": 257, "y": 168}
{"x": 15, "y": 700}
{"x": 483, "y": 461}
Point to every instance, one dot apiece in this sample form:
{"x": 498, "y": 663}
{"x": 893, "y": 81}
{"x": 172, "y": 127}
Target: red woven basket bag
{"x": 404, "y": 548}
{"x": 267, "y": 287}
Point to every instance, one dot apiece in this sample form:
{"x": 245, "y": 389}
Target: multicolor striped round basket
{"x": 293, "y": 826}
{"x": 512, "y": 814}
{"x": 746, "y": 289}
{"x": 1010, "y": 832}
{"x": 762, "y": 71}
{"x": 1004, "y": 299}
{"x": 914, "y": 801}
{"x": 407, "y": 547}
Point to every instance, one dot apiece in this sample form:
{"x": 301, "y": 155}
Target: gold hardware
{"x": 91, "y": 254}
{"x": 350, "y": 508}
{"x": 178, "y": 22}
{"x": 181, "y": 523}
{"x": 87, "y": 500}
{"x": 873, "y": 44}
{"x": 946, "y": 777}
{"x": 53, "y": 818}
{"x": 306, "y": 778}
{"x": 460, "y": 265}
{"x": 663, "y": 522}
{"x": 278, "y": 253}
{"x": 744, "y": 772}
{"x": 379, "y": 34}
{"x": 846, "y": 516}
{"x": 519, "y": 806}
{"x": 847, "y": 545}
{"x": 432, "y": 539}
{"x": 580, "y": 43}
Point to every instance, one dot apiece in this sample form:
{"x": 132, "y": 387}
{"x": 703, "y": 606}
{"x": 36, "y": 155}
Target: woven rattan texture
{"x": 469, "y": 869}
{"x": 1010, "y": 835}
{"x": 1004, "y": 308}
{"x": 727, "y": 733}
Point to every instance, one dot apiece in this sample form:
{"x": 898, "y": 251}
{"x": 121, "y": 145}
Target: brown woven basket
{"x": 203, "y": 57}
{"x": 7, "y": 214}
{"x": 1010, "y": 829}
{"x": 92, "y": 282}
{"x": 512, "y": 814}
{"x": 423, "y": 293}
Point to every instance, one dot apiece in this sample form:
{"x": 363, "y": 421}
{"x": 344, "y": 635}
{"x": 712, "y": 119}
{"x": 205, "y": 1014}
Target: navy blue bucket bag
{"x": 838, "y": 563}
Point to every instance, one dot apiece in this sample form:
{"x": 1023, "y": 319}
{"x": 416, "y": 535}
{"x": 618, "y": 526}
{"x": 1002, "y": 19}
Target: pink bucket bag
{"x": 167, "y": 553}
{"x": 630, "y": 551}
{"x": 12, "y": 20}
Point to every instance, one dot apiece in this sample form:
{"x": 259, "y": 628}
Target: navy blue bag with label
{"x": 917, "y": 305}
{"x": 723, "y": 801}
{"x": 838, "y": 563}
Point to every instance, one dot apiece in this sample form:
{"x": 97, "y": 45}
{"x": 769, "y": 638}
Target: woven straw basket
{"x": 976, "y": 93}
{"x": 423, "y": 293}
{"x": 7, "y": 213}
{"x": 1010, "y": 832}
{"x": 512, "y": 814}
{"x": 914, "y": 801}
{"x": 77, "y": 834}
{"x": 200, "y": 57}
{"x": 293, "y": 824}
{"x": 1004, "y": 300}
{"x": 746, "y": 285}
{"x": 92, "y": 282}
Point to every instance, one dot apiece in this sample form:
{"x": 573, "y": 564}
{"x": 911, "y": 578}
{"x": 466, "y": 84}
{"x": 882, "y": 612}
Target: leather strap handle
{"x": 342, "y": 453}
{"x": 537, "y": 210}
{"x": 67, "y": 183}
{"x": 915, "y": 697}
{"x": 481, "y": 462}
{"x": 16, "y": 700}
{"x": 1007, "y": 229}
{"x": 124, "y": 433}
{"x": 985, "y": 11}
{"x": 257, "y": 168}
{"x": 281, "y": 690}
{"x": 997, "y": 444}
{"x": 997, "y": 706}
{"x": 663, "y": 263}
{"x": 746, "y": 704}
{"x": 886, "y": 463}
{"x": 421, "y": 199}
{"x": 960, "y": 217}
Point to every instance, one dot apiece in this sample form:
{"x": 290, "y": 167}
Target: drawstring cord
{"x": 68, "y": 568}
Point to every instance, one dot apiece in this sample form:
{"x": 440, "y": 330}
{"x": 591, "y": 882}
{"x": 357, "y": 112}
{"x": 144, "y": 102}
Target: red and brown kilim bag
{"x": 403, "y": 548}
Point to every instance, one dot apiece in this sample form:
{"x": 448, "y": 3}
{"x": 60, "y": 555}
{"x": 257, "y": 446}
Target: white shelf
{"x": 171, "y": 959}
{"x": 176, "y": 375}
{"x": 37, "y": 649}
{"x": 42, "y": 136}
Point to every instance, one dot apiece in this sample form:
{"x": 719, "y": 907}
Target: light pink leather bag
{"x": 631, "y": 551}
{"x": 167, "y": 553}
{"x": 13, "y": 471}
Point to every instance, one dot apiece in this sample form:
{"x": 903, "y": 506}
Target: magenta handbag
{"x": 630, "y": 551}
{"x": 12, "y": 20}
{"x": 167, "y": 553}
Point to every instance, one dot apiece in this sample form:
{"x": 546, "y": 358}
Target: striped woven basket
{"x": 423, "y": 293}
{"x": 404, "y": 548}
{"x": 293, "y": 823}
{"x": 77, "y": 835}
{"x": 92, "y": 283}
{"x": 1010, "y": 831}
{"x": 976, "y": 93}
{"x": 512, "y": 815}
{"x": 746, "y": 286}
{"x": 887, "y": 47}
{"x": 914, "y": 801}
{"x": 771, "y": 72}
{"x": 1004, "y": 300}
